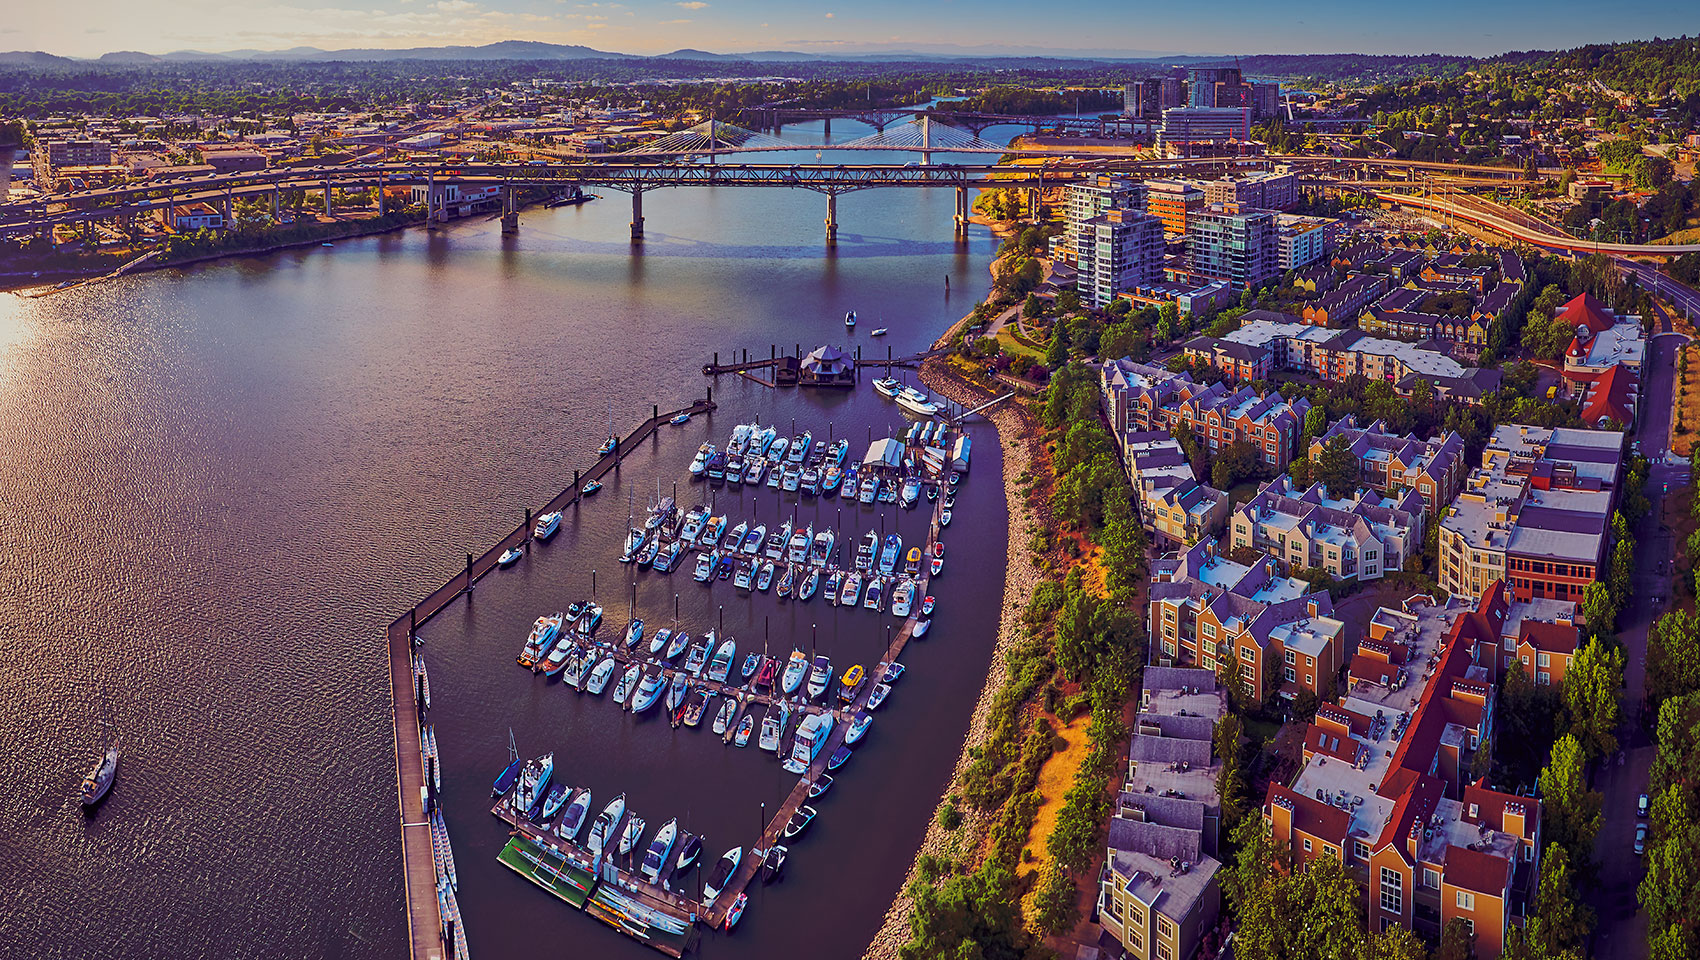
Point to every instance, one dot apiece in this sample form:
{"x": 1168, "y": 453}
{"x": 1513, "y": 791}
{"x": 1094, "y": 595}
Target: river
{"x": 219, "y": 483}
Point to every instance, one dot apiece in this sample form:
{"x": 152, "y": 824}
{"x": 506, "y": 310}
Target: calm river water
{"x": 218, "y": 485}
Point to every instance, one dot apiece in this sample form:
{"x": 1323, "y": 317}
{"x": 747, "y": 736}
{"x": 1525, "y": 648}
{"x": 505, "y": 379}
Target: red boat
{"x": 768, "y": 672}
{"x": 938, "y": 556}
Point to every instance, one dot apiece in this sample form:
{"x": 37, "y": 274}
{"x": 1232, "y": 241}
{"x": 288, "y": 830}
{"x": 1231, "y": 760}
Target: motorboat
{"x": 659, "y": 641}
{"x": 799, "y": 822}
{"x": 820, "y": 550}
{"x": 509, "y": 557}
{"x": 655, "y": 858}
{"x": 787, "y": 580}
{"x": 912, "y": 562}
{"x": 761, "y": 440}
{"x": 723, "y": 719}
{"x": 677, "y": 691}
{"x": 533, "y": 782}
{"x": 944, "y": 517}
{"x": 721, "y": 875}
{"x": 834, "y": 585}
{"x": 648, "y": 692}
{"x": 851, "y": 683}
{"x": 721, "y": 666}
{"x": 679, "y": 419}
{"x": 916, "y": 402}
{"x": 837, "y": 451}
{"x": 792, "y": 480}
{"x": 927, "y": 606}
{"x": 910, "y": 494}
{"x": 755, "y": 469}
{"x": 668, "y": 558}
{"x": 609, "y": 445}
{"x": 547, "y": 524}
{"x": 887, "y": 493}
{"x": 831, "y": 479}
{"x": 810, "y": 584}
{"x": 700, "y": 462}
{"x": 704, "y": 571}
{"x": 811, "y": 736}
{"x": 735, "y": 467}
{"x": 578, "y": 811}
{"x": 774, "y": 549}
{"x": 712, "y": 530}
{"x": 870, "y": 489}
{"x": 740, "y": 439}
{"x": 628, "y": 683}
{"x": 599, "y": 676}
{"x": 677, "y": 645}
{"x": 838, "y": 757}
{"x": 689, "y": 850}
{"x": 553, "y": 801}
{"x": 892, "y": 673}
{"x": 876, "y": 594}
{"x": 602, "y": 830}
{"x": 775, "y": 477}
{"x": 753, "y": 540}
{"x": 735, "y": 539}
{"x": 633, "y": 832}
{"x": 938, "y": 557}
{"x": 877, "y": 695}
{"x": 716, "y": 468}
{"x": 698, "y": 657}
{"x": 773, "y": 864}
{"x": 809, "y": 483}
{"x": 866, "y": 550}
{"x": 543, "y": 634}
{"x": 776, "y": 452}
{"x": 850, "y": 320}
{"x": 557, "y": 660}
{"x": 591, "y": 619}
{"x": 764, "y": 577}
{"x": 820, "y": 676}
{"x": 797, "y": 550}
{"x": 932, "y": 492}
{"x": 858, "y": 727}
{"x": 795, "y": 669}
{"x": 852, "y": 590}
{"x": 878, "y": 332}
{"x": 694, "y": 520}
{"x": 634, "y": 633}
{"x": 903, "y": 598}
{"x": 751, "y": 664}
{"x": 590, "y": 487}
{"x": 800, "y": 447}
{"x": 735, "y": 912}
{"x": 820, "y": 786}
{"x": 768, "y": 742}
{"x": 745, "y": 579}
{"x": 889, "y": 553}
{"x": 921, "y": 627}
{"x": 766, "y": 673}
{"x": 695, "y": 707}
{"x": 746, "y": 726}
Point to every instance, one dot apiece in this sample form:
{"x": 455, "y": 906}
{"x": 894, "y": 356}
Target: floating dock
{"x": 432, "y": 911}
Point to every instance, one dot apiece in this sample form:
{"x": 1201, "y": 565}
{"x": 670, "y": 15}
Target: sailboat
{"x": 613, "y": 442}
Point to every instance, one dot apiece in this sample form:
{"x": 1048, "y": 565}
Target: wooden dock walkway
{"x": 425, "y": 926}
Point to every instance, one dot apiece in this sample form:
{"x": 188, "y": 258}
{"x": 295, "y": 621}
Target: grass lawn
{"x": 1012, "y": 345}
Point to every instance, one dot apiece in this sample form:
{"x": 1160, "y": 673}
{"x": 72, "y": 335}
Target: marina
{"x": 810, "y": 730}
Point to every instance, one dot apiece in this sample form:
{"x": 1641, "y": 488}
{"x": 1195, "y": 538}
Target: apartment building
{"x": 1244, "y": 621}
{"x": 50, "y": 156}
{"x": 1535, "y": 514}
{"x": 1359, "y": 537}
{"x": 1390, "y": 463}
{"x": 1174, "y": 202}
{"x": 1233, "y": 243}
{"x": 1263, "y": 191}
{"x": 1342, "y": 303}
{"x": 1117, "y": 250}
{"x": 1385, "y": 787}
{"x": 1159, "y": 889}
{"x": 1139, "y": 397}
{"x": 1210, "y": 125}
{"x": 1267, "y": 341}
{"x": 1304, "y": 240}
{"x": 1172, "y": 503}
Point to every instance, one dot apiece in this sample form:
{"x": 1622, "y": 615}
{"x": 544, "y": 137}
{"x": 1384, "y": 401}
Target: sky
{"x": 88, "y": 28}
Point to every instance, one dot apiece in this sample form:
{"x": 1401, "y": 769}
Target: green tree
{"x": 1456, "y": 941}
{"x": 1673, "y": 656}
{"x": 1056, "y": 904}
{"x": 1591, "y": 685}
{"x": 1235, "y": 462}
{"x": 1057, "y": 354}
{"x": 1337, "y": 467}
{"x": 1315, "y": 425}
{"x": 1572, "y": 810}
{"x": 1599, "y": 610}
{"x": 1560, "y": 923}
{"x": 1397, "y": 942}
{"x": 1033, "y": 308}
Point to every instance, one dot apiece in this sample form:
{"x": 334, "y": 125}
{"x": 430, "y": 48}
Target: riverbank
{"x": 33, "y": 286}
{"x": 1018, "y": 435}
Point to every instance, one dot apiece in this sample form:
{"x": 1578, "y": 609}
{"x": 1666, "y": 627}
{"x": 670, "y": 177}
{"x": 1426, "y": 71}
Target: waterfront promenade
{"x": 426, "y": 934}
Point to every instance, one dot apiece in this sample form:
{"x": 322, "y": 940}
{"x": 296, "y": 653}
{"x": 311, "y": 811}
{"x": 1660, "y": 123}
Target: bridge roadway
{"x": 1532, "y": 235}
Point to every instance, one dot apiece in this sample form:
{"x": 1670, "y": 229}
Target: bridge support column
{"x": 960, "y": 220}
{"x": 275, "y": 192}
{"x": 228, "y": 219}
{"x": 827, "y": 128}
{"x": 327, "y": 197}
{"x": 832, "y": 219}
{"x": 380, "y": 194}
{"x": 637, "y": 214}
{"x": 510, "y": 210}
{"x": 1034, "y": 201}
{"x": 430, "y": 201}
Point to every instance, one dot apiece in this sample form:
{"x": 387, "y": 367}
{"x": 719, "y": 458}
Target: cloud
{"x": 691, "y": 4}
{"x": 684, "y": 20}
{"x": 829, "y": 16}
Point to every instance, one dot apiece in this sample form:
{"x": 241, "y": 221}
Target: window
{"x": 1310, "y": 679}
{"x": 1169, "y": 647}
{"x": 1165, "y": 928}
{"x": 1163, "y": 952}
{"x": 1544, "y": 659}
{"x": 1209, "y": 629}
{"x": 1464, "y": 900}
{"x": 1359, "y": 850}
{"x": 1469, "y": 925}
{"x": 1247, "y": 654}
{"x": 1290, "y": 675}
{"x": 1431, "y": 878}
{"x": 1290, "y": 658}
{"x": 1392, "y": 900}
{"x": 1247, "y": 672}
{"x": 1307, "y": 844}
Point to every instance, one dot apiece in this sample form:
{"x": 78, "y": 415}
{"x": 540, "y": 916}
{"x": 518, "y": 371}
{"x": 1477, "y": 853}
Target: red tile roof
{"x": 1610, "y": 397}
{"x": 1477, "y": 871}
{"x": 1551, "y": 637}
{"x": 1584, "y": 310}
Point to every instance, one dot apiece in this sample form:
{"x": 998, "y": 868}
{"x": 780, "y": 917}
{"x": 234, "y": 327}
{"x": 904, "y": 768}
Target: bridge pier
{"x": 637, "y": 214}
{"x": 960, "y": 220}
{"x": 431, "y": 200}
{"x": 275, "y": 192}
{"x": 510, "y": 210}
{"x": 827, "y": 127}
{"x": 832, "y": 219}
{"x": 380, "y": 194}
{"x": 327, "y": 197}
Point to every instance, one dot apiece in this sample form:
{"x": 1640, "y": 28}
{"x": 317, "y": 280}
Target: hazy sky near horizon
{"x": 86, "y": 28}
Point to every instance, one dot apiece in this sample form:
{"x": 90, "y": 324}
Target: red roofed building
{"x": 1384, "y": 784}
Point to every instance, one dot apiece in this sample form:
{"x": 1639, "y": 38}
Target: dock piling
{"x": 469, "y": 573}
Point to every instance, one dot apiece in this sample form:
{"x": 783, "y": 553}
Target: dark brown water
{"x": 218, "y": 485}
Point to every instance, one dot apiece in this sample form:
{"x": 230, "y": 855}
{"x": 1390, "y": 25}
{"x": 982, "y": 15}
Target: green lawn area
{"x": 1008, "y": 342}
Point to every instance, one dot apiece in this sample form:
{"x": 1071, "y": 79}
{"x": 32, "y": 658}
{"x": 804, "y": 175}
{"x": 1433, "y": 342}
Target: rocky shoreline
{"x": 1017, "y": 435}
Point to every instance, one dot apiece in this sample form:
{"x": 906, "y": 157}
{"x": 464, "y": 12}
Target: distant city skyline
{"x": 89, "y": 28}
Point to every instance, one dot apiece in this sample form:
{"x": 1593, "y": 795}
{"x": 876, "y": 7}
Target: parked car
{"x": 1641, "y": 806}
{"x": 1640, "y": 839}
